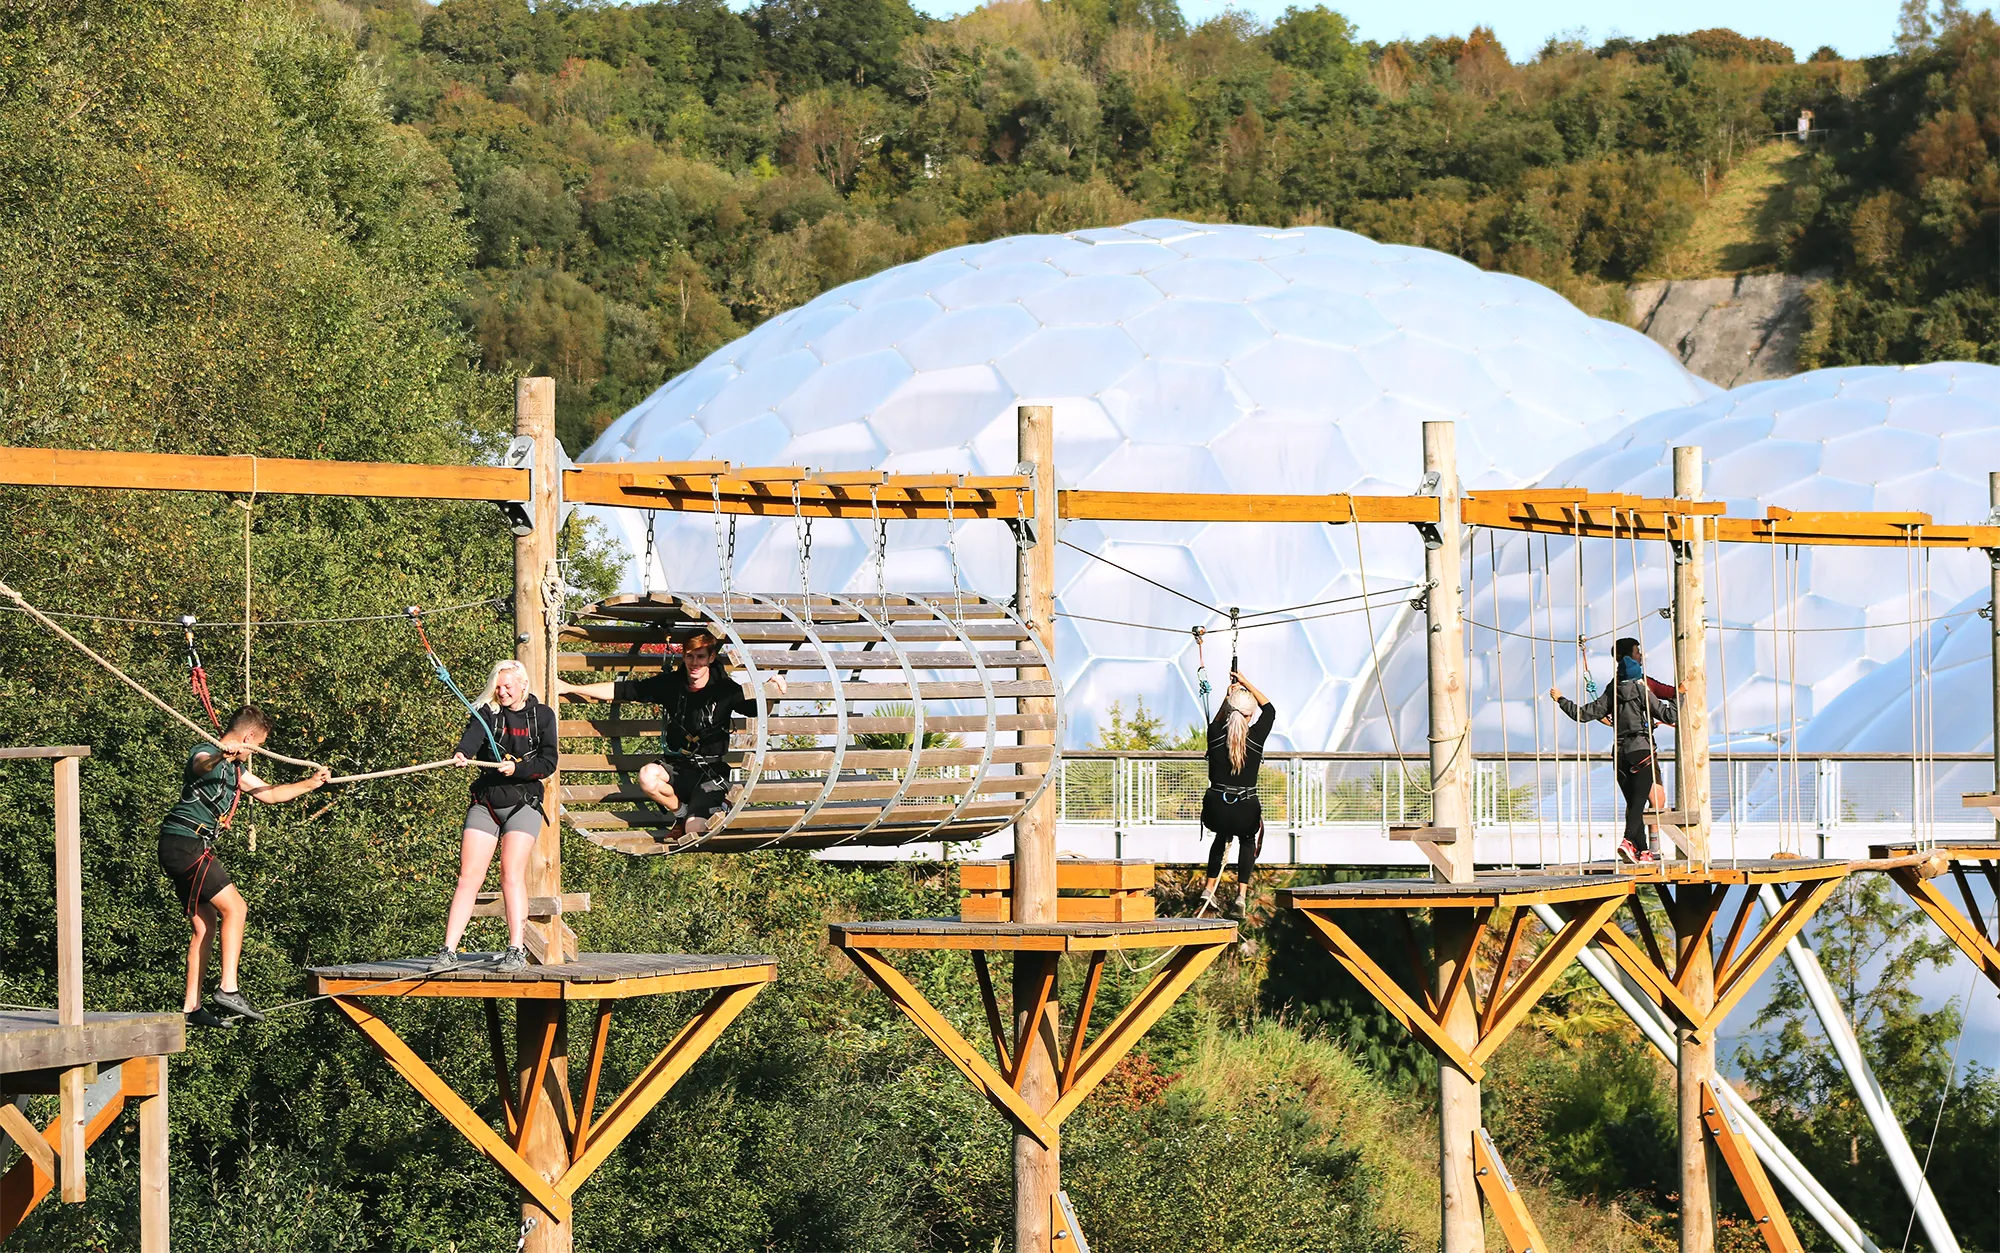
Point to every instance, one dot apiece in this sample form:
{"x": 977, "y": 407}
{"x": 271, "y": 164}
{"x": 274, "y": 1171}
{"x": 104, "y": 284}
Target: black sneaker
{"x": 515, "y": 958}
{"x": 202, "y": 1017}
{"x": 445, "y": 959}
{"x": 238, "y": 1004}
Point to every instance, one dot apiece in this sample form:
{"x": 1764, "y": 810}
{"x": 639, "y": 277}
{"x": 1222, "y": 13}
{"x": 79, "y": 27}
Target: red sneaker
{"x": 1647, "y": 857}
{"x": 1626, "y": 852}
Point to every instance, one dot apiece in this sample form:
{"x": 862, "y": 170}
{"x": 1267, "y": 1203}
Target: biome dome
{"x": 1861, "y": 438}
{"x": 1178, "y": 357}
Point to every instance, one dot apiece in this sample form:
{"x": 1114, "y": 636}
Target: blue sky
{"x": 1854, "y": 27}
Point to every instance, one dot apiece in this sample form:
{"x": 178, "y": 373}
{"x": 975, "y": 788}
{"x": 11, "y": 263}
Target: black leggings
{"x": 1635, "y": 782}
{"x": 1241, "y": 820}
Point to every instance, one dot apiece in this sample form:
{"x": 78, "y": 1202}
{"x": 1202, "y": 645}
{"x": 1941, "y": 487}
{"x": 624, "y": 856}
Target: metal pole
{"x": 1778, "y": 1160}
{"x": 1840, "y": 1033}
{"x": 1037, "y": 1170}
{"x": 1463, "y": 1225}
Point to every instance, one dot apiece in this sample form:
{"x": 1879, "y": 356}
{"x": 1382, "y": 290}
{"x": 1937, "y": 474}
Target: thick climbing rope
{"x": 1722, "y": 668}
{"x": 249, "y": 508}
{"x": 1535, "y": 706}
{"x": 195, "y": 727}
{"x": 1588, "y": 814}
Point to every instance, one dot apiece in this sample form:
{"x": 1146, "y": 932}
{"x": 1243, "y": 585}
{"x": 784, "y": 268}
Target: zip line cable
{"x": 200, "y": 731}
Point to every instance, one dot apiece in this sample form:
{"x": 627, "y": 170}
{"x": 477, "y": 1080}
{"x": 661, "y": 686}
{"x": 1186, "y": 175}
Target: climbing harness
{"x": 197, "y": 674}
{"x": 444, "y": 676}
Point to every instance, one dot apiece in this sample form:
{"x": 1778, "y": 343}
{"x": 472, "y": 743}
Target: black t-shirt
{"x": 693, "y": 722}
{"x": 1219, "y": 773}
{"x": 527, "y": 735}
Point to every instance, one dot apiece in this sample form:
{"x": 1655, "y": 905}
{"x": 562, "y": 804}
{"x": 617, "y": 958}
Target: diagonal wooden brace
{"x": 1648, "y": 975}
{"x": 1504, "y": 1199}
{"x": 1734, "y": 983}
{"x": 26, "y": 1183}
{"x": 1391, "y": 995}
{"x": 599, "y": 1138}
{"x": 990, "y": 1082}
{"x": 447, "y": 1102}
{"x": 1762, "y": 1199}
{"x": 1133, "y": 1022}
{"x": 1548, "y": 965}
{"x": 1955, "y": 925}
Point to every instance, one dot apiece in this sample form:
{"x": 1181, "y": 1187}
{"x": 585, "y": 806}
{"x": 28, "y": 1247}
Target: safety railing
{"x": 1335, "y": 806}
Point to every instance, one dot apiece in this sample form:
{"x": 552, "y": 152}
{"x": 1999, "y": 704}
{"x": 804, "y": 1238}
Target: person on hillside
{"x": 213, "y": 784}
{"x": 1230, "y": 807}
{"x": 506, "y": 808}
{"x": 690, "y": 782}
{"x": 1633, "y": 704}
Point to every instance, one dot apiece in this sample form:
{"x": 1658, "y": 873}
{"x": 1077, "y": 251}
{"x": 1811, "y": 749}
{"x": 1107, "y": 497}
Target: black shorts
{"x": 197, "y": 873}
{"x": 703, "y": 787}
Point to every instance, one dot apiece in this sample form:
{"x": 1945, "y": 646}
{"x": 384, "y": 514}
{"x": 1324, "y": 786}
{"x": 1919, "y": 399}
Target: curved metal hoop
{"x": 916, "y": 710}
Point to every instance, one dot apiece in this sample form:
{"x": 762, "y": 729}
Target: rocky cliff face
{"x": 1727, "y": 330}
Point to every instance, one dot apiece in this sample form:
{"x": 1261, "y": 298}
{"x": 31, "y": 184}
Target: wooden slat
{"x": 1232, "y": 507}
{"x": 167, "y": 472}
{"x": 21, "y": 754}
{"x": 1075, "y": 874}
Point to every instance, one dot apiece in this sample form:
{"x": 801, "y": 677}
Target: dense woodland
{"x": 249, "y": 226}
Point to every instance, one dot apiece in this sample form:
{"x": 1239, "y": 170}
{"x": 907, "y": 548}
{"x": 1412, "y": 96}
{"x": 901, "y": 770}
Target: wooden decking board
{"x": 587, "y": 968}
{"x": 1004, "y": 936}
{"x": 1485, "y": 885}
{"x": 1958, "y": 850}
{"x": 34, "y": 1040}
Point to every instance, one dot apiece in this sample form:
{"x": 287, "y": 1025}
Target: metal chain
{"x": 725, "y": 557}
{"x": 879, "y": 541}
{"x": 805, "y": 527}
{"x": 646, "y": 573}
{"x": 951, "y": 554}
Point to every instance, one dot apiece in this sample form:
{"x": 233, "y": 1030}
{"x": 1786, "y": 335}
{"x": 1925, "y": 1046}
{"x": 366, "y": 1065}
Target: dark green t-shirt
{"x": 206, "y": 795}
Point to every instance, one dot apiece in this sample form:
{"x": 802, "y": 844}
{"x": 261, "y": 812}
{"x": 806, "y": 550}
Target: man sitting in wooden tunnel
{"x": 1633, "y": 704}
{"x": 691, "y": 779}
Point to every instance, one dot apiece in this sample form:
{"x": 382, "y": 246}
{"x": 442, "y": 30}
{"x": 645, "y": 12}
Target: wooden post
{"x": 1696, "y": 1049}
{"x": 1691, "y": 661}
{"x": 154, "y": 1228}
{"x": 1451, "y": 806}
{"x": 1037, "y": 1170}
{"x": 1993, "y": 624}
{"x": 69, "y": 966}
{"x": 546, "y": 1150}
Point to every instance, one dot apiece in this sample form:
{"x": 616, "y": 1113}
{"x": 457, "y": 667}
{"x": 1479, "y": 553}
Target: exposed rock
{"x": 1727, "y": 330}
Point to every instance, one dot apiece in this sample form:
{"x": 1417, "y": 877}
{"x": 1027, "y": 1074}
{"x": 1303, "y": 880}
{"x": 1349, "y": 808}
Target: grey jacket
{"x": 1637, "y": 712}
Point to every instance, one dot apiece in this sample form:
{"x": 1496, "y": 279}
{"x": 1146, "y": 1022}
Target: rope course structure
{"x": 922, "y": 717}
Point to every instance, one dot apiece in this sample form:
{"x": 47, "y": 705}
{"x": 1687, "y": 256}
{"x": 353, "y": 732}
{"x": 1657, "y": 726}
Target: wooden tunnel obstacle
{"x": 92, "y": 1063}
{"x": 542, "y": 996}
{"x": 903, "y": 720}
{"x": 1037, "y": 950}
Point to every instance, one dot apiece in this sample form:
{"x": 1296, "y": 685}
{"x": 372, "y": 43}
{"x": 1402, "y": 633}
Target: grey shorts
{"x": 525, "y": 820}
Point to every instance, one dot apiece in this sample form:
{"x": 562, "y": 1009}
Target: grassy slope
{"x": 1395, "y": 1135}
{"x": 1735, "y": 229}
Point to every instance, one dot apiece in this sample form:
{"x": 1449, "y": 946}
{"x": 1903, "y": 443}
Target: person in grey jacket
{"x": 1633, "y": 709}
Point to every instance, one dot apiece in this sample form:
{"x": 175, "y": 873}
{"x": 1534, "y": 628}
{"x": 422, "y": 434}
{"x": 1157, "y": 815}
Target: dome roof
{"x": 1179, "y": 357}
{"x": 1860, "y": 438}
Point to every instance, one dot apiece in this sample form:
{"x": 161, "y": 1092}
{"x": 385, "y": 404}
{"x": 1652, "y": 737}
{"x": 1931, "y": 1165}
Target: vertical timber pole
{"x": 1451, "y": 806}
{"x": 1037, "y": 1171}
{"x": 546, "y": 1150}
{"x": 1993, "y": 616}
{"x": 1696, "y": 1048}
{"x": 69, "y": 966}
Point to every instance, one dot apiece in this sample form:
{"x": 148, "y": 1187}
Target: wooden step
{"x": 489, "y": 905}
{"x": 1424, "y": 835}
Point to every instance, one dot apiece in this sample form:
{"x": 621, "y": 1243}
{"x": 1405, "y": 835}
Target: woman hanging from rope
{"x": 519, "y": 731}
{"x": 1230, "y": 807}
{"x": 213, "y": 783}
{"x": 690, "y": 782}
{"x": 1633, "y": 706}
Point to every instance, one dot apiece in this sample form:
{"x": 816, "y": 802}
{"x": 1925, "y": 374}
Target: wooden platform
{"x": 1487, "y": 891}
{"x": 31, "y": 1039}
{"x": 1960, "y": 850}
{"x": 1742, "y": 871}
{"x": 1030, "y": 937}
{"x": 591, "y": 977}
